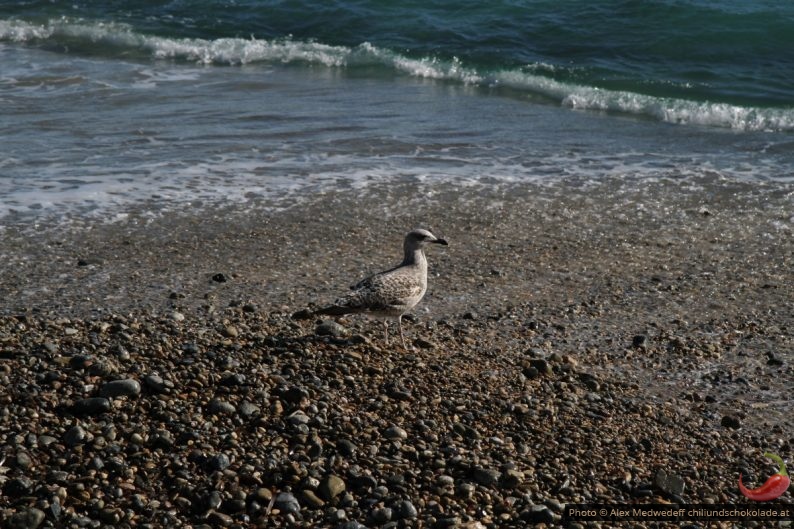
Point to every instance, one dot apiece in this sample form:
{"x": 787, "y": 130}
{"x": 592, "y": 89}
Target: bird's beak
{"x": 441, "y": 241}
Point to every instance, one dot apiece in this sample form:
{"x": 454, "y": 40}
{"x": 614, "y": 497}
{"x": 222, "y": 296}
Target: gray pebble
{"x": 23, "y": 461}
{"x": 669, "y": 483}
{"x": 128, "y": 387}
{"x": 27, "y": 519}
{"x": 217, "y": 407}
{"x": 331, "y": 328}
{"x": 395, "y": 433}
{"x": 382, "y": 515}
{"x": 405, "y": 510}
{"x": 220, "y": 462}
{"x": 486, "y": 476}
{"x": 156, "y": 384}
{"x": 213, "y": 500}
{"x": 247, "y": 409}
{"x": 287, "y": 502}
{"x": 297, "y": 418}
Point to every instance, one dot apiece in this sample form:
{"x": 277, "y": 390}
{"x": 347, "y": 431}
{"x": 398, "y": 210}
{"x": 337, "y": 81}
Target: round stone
{"x": 121, "y": 388}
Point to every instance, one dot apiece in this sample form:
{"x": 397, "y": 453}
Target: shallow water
{"x": 90, "y": 136}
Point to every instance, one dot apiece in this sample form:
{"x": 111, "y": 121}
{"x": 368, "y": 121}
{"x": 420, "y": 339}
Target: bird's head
{"x": 420, "y": 238}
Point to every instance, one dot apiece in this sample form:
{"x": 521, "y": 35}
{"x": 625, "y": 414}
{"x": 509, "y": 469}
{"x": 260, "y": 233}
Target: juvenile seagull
{"x": 392, "y": 293}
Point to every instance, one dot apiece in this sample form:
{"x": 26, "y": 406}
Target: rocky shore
{"x": 577, "y": 345}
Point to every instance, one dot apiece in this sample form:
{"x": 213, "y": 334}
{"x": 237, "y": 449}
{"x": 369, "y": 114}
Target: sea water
{"x": 187, "y": 104}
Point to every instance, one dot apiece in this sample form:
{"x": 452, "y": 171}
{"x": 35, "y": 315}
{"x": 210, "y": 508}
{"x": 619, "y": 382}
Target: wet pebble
{"x": 74, "y": 436}
{"x": 221, "y": 407}
{"x": 128, "y": 387}
{"x": 28, "y": 519}
{"x": 331, "y": 487}
{"x": 287, "y": 502}
{"x": 92, "y": 406}
{"x": 395, "y": 433}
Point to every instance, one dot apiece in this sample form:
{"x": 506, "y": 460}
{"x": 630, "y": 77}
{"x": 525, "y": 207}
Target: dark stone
{"x": 669, "y": 483}
{"x": 729, "y": 421}
{"x": 121, "y": 388}
{"x": 486, "y": 476}
{"x": 331, "y": 328}
{"x": 20, "y": 486}
{"x": 235, "y": 379}
{"x": 303, "y": 314}
{"x": 220, "y": 278}
{"x": 74, "y": 436}
{"x": 27, "y": 519}
{"x": 220, "y": 462}
{"x": 640, "y": 341}
{"x": 405, "y": 510}
{"x": 287, "y": 502}
{"x": 538, "y": 514}
{"x": 91, "y": 406}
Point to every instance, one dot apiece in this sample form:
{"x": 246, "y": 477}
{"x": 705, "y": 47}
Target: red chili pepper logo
{"x": 774, "y": 486}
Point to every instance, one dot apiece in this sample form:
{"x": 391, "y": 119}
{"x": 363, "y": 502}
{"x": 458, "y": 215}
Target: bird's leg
{"x": 400, "y": 325}
{"x": 386, "y": 330}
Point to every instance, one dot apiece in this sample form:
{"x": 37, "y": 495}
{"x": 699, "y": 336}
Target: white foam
{"x": 670, "y": 110}
{"x": 235, "y": 51}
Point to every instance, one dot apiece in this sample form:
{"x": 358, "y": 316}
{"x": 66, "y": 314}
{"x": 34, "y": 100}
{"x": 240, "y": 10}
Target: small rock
{"x": 395, "y": 433}
{"x": 331, "y": 487}
{"x": 23, "y": 461}
{"x": 730, "y": 421}
{"x": 220, "y": 278}
{"x": 311, "y": 499}
{"x": 230, "y": 331}
{"x": 247, "y": 409}
{"x": 220, "y": 462}
{"x": 264, "y": 495}
{"x": 91, "y": 406}
{"x": 512, "y": 478}
{"x": 331, "y": 328}
{"x": 156, "y": 384}
{"x": 346, "y": 447}
{"x": 303, "y": 314}
{"x": 295, "y": 395}
{"x": 177, "y": 316}
{"x": 543, "y": 367}
{"x": 298, "y": 417}
{"x": 74, "y": 436}
{"x": 405, "y": 510}
{"x": 287, "y": 502}
{"x": 19, "y": 486}
{"x": 27, "y": 519}
{"x": 218, "y": 519}
{"x": 234, "y": 379}
{"x": 669, "y": 483}
{"x": 218, "y": 407}
{"x": 486, "y": 476}
{"x": 537, "y": 514}
{"x": 382, "y": 515}
{"x": 121, "y": 388}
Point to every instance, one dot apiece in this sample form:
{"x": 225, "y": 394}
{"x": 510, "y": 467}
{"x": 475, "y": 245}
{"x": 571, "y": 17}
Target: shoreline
{"x": 629, "y": 327}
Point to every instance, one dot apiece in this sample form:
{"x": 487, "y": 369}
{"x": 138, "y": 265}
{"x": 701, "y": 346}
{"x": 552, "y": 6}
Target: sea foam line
{"x": 236, "y": 51}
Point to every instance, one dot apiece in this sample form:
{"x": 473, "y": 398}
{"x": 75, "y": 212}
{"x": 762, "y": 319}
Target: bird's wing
{"x": 382, "y": 291}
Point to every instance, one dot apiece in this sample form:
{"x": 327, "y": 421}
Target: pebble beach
{"x": 577, "y": 344}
